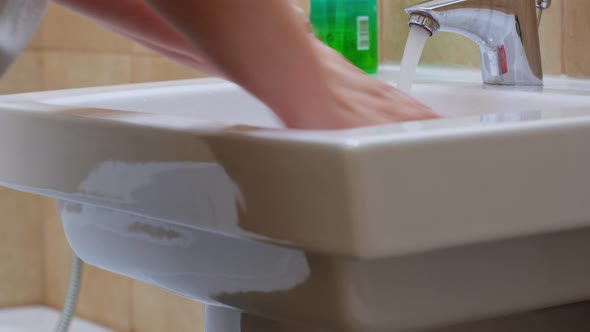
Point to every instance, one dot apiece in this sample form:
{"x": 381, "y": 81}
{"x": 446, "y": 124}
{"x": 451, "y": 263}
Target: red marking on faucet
{"x": 503, "y": 60}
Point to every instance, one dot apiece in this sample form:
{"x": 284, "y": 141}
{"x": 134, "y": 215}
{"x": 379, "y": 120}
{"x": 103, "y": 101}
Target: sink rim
{"x": 355, "y": 156}
{"x": 56, "y": 102}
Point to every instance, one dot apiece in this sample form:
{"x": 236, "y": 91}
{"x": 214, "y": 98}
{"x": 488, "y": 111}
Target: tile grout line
{"x": 44, "y": 213}
{"x": 132, "y": 68}
{"x": 132, "y": 306}
{"x": 43, "y": 253}
{"x": 76, "y": 50}
{"x": 563, "y": 37}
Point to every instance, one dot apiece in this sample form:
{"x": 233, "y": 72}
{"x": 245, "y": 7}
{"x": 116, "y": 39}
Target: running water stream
{"x": 414, "y": 48}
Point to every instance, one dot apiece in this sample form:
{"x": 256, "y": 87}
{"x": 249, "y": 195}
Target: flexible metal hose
{"x": 72, "y": 295}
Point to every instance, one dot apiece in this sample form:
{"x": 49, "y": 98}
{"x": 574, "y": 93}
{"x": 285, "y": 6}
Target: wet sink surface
{"x": 216, "y": 101}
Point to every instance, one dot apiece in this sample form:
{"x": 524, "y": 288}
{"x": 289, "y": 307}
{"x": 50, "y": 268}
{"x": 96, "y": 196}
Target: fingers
{"x": 355, "y": 99}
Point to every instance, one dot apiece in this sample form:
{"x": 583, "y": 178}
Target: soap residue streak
{"x": 414, "y": 48}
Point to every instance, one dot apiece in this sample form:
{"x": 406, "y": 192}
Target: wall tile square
{"x": 57, "y": 255}
{"x": 451, "y": 50}
{"x": 105, "y": 298}
{"x": 65, "y": 30}
{"x": 25, "y": 75}
{"x": 551, "y": 38}
{"x": 394, "y": 31}
{"x": 62, "y": 70}
{"x": 157, "y": 310}
{"x": 576, "y": 36}
{"x": 156, "y": 68}
{"x": 21, "y": 268}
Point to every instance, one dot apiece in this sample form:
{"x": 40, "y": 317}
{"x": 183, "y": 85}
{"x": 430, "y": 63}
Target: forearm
{"x": 138, "y": 22}
{"x": 258, "y": 44}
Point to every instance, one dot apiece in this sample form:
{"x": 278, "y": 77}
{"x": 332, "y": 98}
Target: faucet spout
{"x": 505, "y": 30}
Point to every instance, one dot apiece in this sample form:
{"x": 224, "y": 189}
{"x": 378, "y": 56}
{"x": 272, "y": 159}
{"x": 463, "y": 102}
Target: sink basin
{"x": 196, "y": 187}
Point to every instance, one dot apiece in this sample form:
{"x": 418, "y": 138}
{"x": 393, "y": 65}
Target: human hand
{"x": 354, "y": 99}
{"x": 305, "y": 82}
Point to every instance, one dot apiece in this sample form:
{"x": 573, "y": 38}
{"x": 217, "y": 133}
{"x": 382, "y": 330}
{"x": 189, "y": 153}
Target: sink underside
{"x": 194, "y": 186}
{"x": 336, "y": 293}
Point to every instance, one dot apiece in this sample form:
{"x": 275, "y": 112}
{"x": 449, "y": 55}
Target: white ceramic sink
{"x": 196, "y": 187}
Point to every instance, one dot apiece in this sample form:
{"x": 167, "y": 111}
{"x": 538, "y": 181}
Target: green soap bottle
{"x": 349, "y": 27}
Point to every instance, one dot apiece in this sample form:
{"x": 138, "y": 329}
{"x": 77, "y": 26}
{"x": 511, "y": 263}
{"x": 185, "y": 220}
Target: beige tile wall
{"x": 21, "y": 260}
{"x": 21, "y": 241}
{"x": 71, "y": 52}
{"x": 576, "y": 37}
{"x": 78, "y": 53}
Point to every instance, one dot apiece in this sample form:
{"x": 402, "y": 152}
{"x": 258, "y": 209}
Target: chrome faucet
{"x": 505, "y": 30}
